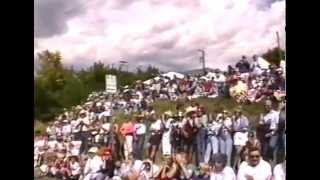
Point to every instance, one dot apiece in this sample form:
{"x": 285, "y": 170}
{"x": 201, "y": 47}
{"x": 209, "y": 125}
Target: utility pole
{"x": 203, "y": 60}
{"x": 278, "y": 43}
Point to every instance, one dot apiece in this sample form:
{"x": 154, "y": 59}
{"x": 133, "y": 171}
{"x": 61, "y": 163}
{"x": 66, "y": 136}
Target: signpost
{"x": 111, "y": 84}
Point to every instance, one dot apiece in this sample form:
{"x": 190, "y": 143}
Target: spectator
{"x": 271, "y": 119}
{"x": 75, "y": 169}
{"x": 212, "y": 146}
{"x": 201, "y": 122}
{"x": 156, "y": 130}
{"x": 202, "y": 173}
{"x": 166, "y": 144}
{"x": 148, "y": 170}
{"x": 255, "y": 168}
{"x": 94, "y": 165}
{"x": 127, "y": 130}
{"x": 189, "y": 131}
{"x": 220, "y": 170}
{"x": 225, "y": 137}
{"x": 185, "y": 170}
{"x": 240, "y": 129}
{"x": 243, "y": 65}
{"x": 279, "y": 171}
{"x": 83, "y": 124}
{"x": 139, "y": 137}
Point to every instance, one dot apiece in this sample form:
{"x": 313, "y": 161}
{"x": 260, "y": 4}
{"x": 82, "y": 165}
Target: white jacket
{"x": 93, "y": 165}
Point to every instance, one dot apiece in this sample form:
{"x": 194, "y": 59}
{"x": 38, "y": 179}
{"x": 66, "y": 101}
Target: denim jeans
{"x": 226, "y": 145}
{"x": 85, "y": 144}
{"x": 270, "y": 148}
{"x": 211, "y": 148}
{"x": 201, "y": 144}
{"x": 138, "y": 147}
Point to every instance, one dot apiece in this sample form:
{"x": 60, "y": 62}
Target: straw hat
{"x": 190, "y": 109}
{"x": 93, "y": 150}
{"x": 168, "y": 113}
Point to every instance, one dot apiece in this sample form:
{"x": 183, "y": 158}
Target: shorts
{"x": 155, "y": 140}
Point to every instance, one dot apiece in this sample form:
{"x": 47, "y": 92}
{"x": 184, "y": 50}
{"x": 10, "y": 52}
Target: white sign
{"x": 111, "y": 84}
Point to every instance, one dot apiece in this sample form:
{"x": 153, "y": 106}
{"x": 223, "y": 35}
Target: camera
{"x": 146, "y": 166}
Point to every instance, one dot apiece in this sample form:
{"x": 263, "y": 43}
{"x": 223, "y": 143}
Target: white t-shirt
{"x": 139, "y": 93}
{"x": 260, "y": 172}
{"x": 140, "y": 128}
{"x": 49, "y": 130}
{"x": 58, "y": 131}
{"x": 66, "y": 129}
{"x": 52, "y": 145}
{"x": 106, "y": 127}
{"x": 93, "y": 165}
{"x": 279, "y": 172}
{"x": 272, "y": 118}
{"x": 74, "y": 128}
{"x": 86, "y": 121}
{"x": 144, "y": 175}
{"x": 156, "y": 126}
{"x": 221, "y": 78}
{"x": 106, "y": 113}
{"x": 75, "y": 168}
{"x": 226, "y": 174}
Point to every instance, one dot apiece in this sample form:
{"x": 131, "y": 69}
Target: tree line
{"x": 58, "y": 87}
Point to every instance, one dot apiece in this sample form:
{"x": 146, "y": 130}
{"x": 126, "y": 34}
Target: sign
{"x": 111, "y": 84}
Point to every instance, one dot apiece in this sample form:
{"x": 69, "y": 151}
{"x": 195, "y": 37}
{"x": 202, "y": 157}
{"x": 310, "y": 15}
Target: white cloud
{"x": 167, "y": 34}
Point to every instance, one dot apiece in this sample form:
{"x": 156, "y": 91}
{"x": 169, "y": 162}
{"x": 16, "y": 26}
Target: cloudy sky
{"x": 164, "y": 33}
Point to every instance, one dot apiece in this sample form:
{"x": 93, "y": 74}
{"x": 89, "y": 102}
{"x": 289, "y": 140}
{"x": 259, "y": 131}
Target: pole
{"x": 203, "y": 61}
{"x": 278, "y": 43}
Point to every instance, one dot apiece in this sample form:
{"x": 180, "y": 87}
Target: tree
{"x": 51, "y": 70}
{"x": 274, "y": 56}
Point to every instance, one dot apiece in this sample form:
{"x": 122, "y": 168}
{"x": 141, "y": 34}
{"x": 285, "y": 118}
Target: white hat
{"x": 190, "y": 109}
{"x": 168, "y": 113}
{"x": 99, "y": 104}
{"x": 83, "y": 111}
{"x": 219, "y": 115}
{"x": 93, "y": 150}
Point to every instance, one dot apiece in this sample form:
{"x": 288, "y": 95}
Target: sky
{"x": 163, "y": 33}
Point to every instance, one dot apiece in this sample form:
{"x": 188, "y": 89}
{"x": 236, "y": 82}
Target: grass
{"x": 213, "y": 106}
{"x": 39, "y": 127}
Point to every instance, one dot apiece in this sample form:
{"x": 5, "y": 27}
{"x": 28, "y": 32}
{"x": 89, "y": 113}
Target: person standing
{"x": 128, "y": 131}
{"x": 166, "y": 144}
{"x": 240, "y": 129}
{"x": 212, "y": 145}
{"x": 189, "y": 131}
{"x": 201, "y": 122}
{"x": 138, "y": 142}
{"x": 156, "y": 130}
{"x": 225, "y": 136}
{"x": 83, "y": 124}
{"x": 271, "y": 119}
{"x": 255, "y": 168}
{"x": 282, "y": 133}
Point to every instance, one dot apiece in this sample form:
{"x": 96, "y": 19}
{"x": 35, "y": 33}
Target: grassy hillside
{"x": 214, "y": 106}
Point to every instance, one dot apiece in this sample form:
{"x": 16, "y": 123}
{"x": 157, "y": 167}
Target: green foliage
{"x": 274, "y": 56}
{"x": 58, "y": 87}
{"x": 39, "y": 128}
